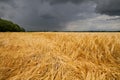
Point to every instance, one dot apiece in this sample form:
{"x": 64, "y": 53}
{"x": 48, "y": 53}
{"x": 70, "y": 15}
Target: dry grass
{"x": 59, "y": 56}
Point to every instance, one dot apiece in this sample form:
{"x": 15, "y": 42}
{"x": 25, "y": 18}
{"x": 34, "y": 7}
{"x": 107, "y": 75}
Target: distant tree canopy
{"x": 8, "y": 26}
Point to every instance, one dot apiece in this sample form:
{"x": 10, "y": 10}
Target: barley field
{"x": 59, "y": 56}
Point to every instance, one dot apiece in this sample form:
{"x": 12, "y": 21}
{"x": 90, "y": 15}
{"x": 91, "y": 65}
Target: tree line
{"x": 9, "y": 26}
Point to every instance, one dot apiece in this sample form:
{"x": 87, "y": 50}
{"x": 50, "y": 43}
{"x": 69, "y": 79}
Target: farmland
{"x": 59, "y": 56}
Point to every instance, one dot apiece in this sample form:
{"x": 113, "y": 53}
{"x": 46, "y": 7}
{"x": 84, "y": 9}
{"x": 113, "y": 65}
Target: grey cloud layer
{"x": 64, "y": 1}
{"x": 54, "y": 14}
{"x": 110, "y": 7}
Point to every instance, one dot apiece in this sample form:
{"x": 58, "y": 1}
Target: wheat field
{"x": 59, "y": 56}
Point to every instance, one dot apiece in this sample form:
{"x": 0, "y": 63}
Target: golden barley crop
{"x": 59, "y": 56}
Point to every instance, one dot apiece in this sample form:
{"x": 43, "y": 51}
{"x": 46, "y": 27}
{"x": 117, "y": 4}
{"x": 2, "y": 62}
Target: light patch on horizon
{"x": 101, "y": 22}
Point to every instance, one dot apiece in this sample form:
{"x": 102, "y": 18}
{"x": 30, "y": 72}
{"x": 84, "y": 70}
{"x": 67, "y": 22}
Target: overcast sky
{"x": 63, "y": 15}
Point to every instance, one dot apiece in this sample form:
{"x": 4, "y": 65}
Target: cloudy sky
{"x": 63, "y": 15}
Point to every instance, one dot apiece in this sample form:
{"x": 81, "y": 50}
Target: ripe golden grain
{"x": 59, "y": 56}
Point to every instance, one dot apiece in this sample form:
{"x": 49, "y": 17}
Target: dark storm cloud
{"x": 41, "y": 15}
{"x": 64, "y": 1}
{"x": 8, "y": 2}
{"x": 5, "y": 5}
{"x": 5, "y": 0}
{"x": 109, "y": 7}
{"x": 54, "y": 14}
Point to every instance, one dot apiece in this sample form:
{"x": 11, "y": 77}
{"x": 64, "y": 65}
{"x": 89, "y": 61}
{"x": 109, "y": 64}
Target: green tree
{"x": 8, "y": 26}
